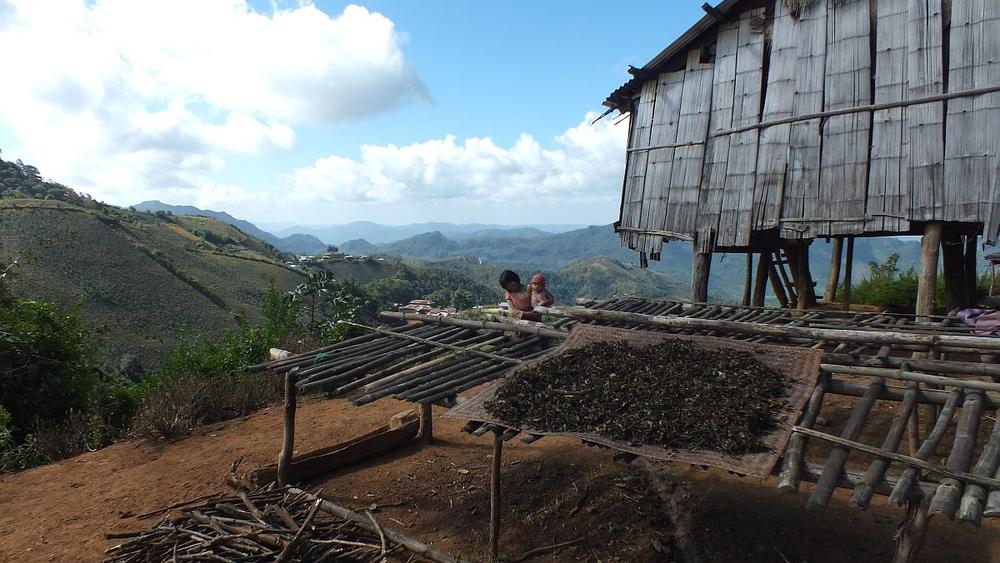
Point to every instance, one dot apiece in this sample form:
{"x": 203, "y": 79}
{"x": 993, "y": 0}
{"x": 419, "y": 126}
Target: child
{"x": 518, "y": 296}
{"x": 540, "y": 297}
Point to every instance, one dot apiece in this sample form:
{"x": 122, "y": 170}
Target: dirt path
{"x": 555, "y": 490}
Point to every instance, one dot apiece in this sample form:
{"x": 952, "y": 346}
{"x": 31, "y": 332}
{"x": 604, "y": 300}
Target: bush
{"x": 885, "y": 286}
{"x": 181, "y": 403}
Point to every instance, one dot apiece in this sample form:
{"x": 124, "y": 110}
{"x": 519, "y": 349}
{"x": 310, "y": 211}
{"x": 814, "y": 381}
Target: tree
{"x": 332, "y": 249}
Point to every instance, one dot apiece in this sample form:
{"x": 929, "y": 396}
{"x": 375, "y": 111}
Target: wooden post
{"x": 495, "y": 497}
{"x": 748, "y": 279}
{"x": 971, "y": 270}
{"x": 848, "y": 270}
{"x": 701, "y": 265}
{"x": 930, "y": 245}
{"x": 288, "y": 438}
{"x": 760, "y": 282}
{"x": 426, "y": 423}
{"x": 953, "y": 251}
{"x": 993, "y": 278}
{"x": 803, "y": 279}
{"x": 911, "y": 532}
{"x": 777, "y": 286}
{"x": 831, "y": 283}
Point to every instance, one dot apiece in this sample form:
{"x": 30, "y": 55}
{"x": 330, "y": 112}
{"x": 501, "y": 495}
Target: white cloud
{"x": 585, "y": 165}
{"x": 122, "y": 96}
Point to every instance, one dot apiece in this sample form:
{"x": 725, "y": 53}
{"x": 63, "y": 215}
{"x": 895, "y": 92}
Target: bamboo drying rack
{"x": 932, "y": 370}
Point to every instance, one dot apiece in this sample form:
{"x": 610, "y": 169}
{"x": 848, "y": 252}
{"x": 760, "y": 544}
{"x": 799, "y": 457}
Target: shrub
{"x": 886, "y": 286}
{"x": 181, "y": 403}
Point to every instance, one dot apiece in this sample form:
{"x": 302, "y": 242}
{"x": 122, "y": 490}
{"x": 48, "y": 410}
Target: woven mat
{"x": 799, "y": 366}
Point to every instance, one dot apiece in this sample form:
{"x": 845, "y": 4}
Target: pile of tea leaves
{"x": 673, "y": 394}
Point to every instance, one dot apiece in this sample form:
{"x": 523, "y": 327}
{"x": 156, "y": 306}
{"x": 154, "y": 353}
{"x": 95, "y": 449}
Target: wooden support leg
{"x": 495, "y": 498}
{"x": 760, "y": 281}
{"x": 699, "y": 276}
{"x": 748, "y": 280}
{"x": 930, "y": 245}
{"x": 426, "y": 423}
{"x": 848, "y": 270}
{"x": 993, "y": 278}
{"x": 911, "y": 533}
{"x": 953, "y": 251}
{"x": 971, "y": 270}
{"x": 831, "y": 283}
{"x": 777, "y": 286}
{"x": 288, "y": 438}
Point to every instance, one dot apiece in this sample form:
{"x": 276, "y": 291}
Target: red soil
{"x": 554, "y": 490}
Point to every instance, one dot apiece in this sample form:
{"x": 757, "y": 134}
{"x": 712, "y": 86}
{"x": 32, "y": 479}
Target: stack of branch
{"x": 269, "y": 524}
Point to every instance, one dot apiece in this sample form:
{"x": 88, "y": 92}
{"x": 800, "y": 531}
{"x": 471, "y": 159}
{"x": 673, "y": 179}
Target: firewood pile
{"x": 270, "y": 524}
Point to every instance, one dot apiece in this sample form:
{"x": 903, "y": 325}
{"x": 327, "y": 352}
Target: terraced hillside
{"x": 142, "y": 280}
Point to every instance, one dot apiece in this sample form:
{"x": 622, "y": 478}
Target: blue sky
{"x": 471, "y": 111}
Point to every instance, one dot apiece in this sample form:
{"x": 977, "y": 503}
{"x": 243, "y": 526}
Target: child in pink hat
{"x": 540, "y": 297}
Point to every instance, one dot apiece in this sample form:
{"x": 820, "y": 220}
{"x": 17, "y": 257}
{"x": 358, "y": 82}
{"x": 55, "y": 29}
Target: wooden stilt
{"x": 848, "y": 270}
{"x": 911, "y": 532}
{"x": 804, "y": 286}
{"x": 702, "y": 265}
{"x": 952, "y": 251}
{"x": 426, "y": 423}
{"x": 748, "y": 280}
{"x": 760, "y": 281}
{"x": 495, "y": 497}
{"x": 288, "y": 437}
{"x": 930, "y": 245}
{"x": 777, "y": 286}
{"x": 993, "y": 278}
{"x": 971, "y": 270}
{"x": 831, "y": 283}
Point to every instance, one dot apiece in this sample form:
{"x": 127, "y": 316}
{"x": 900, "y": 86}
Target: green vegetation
{"x": 887, "y": 285}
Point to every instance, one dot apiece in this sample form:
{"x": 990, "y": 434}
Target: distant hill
{"x": 383, "y": 234}
{"x": 296, "y": 243}
{"x": 143, "y": 281}
{"x": 357, "y": 246}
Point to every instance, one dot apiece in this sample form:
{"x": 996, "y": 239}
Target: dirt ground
{"x": 555, "y": 490}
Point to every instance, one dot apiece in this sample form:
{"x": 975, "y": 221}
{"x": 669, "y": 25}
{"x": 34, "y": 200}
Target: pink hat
{"x": 538, "y": 278}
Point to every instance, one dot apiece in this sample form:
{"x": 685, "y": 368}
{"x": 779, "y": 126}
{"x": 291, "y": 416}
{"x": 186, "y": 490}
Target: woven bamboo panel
{"x": 799, "y": 366}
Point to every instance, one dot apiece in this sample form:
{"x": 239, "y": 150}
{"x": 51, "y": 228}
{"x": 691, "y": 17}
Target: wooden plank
{"x": 888, "y": 181}
{"x": 692, "y": 126}
{"x": 641, "y": 123}
{"x": 971, "y": 153}
{"x": 737, "y": 196}
{"x": 669, "y": 87}
{"x": 801, "y": 188}
{"x": 843, "y": 176}
{"x": 717, "y": 149}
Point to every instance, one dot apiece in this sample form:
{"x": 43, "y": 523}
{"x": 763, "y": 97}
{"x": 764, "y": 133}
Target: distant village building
{"x": 771, "y": 123}
{"x": 425, "y": 307}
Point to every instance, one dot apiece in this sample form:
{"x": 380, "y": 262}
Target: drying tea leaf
{"x": 673, "y": 394}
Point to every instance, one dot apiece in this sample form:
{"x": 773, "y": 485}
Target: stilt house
{"x": 771, "y": 123}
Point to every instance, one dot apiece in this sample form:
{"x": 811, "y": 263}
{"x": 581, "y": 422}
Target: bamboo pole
{"x": 874, "y": 337}
{"x": 974, "y": 499}
{"x": 862, "y": 494}
{"x": 458, "y": 349}
{"x": 831, "y": 283}
{"x": 913, "y": 462}
{"x": 838, "y": 455}
{"x": 927, "y": 449}
{"x": 288, "y": 436}
{"x": 480, "y": 325}
{"x": 848, "y": 270}
{"x": 891, "y": 393}
{"x": 419, "y": 548}
{"x": 930, "y": 245}
{"x": 949, "y": 492}
{"x": 791, "y": 466}
{"x": 911, "y": 376}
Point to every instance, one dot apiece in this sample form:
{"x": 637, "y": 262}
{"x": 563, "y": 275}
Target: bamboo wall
{"x": 730, "y": 145}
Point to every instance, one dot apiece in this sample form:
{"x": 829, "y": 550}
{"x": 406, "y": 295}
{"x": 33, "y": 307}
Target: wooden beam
{"x": 848, "y": 270}
{"x": 930, "y": 245}
{"x": 760, "y": 281}
{"x": 700, "y": 268}
{"x": 831, "y": 283}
